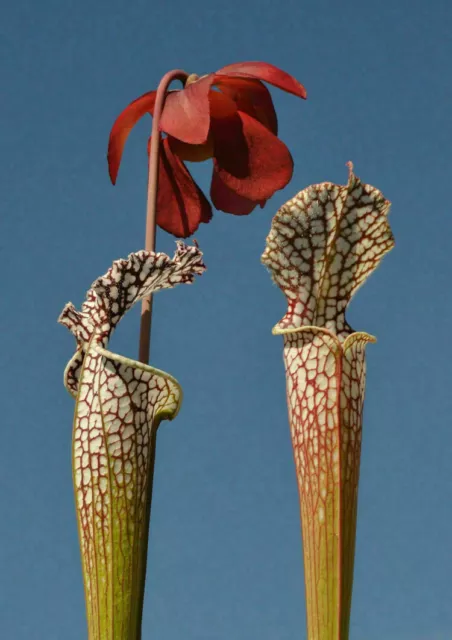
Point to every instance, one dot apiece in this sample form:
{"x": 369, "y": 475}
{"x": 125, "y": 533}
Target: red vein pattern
{"x": 119, "y": 404}
{"x": 322, "y": 246}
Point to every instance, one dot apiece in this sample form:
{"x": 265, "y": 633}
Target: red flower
{"x": 227, "y": 116}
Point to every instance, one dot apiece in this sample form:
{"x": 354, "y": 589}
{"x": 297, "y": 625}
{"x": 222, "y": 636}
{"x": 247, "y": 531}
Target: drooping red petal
{"x": 228, "y": 201}
{"x": 186, "y": 112}
{"x": 252, "y": 161}
{"x": 192, "y": 152}
{"x": 230, "y": 146}
{"x": 266, "y": 72}
{"x": 252, "y": 97}
{"x": 181, "y": 205}
{"x": 124, "y": 123}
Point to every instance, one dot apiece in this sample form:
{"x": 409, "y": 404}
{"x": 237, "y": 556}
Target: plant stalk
{"x": 146, "y": 308}
{"x": 151, "y": 207}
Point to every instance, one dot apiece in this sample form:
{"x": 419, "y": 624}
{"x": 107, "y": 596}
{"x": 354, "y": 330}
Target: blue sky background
{"x": 225, "y": 557}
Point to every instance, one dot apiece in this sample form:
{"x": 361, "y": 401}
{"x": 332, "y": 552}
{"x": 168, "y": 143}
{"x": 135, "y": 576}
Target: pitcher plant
{"x": 119, "y": 403}
{"x": 323, "y": 245}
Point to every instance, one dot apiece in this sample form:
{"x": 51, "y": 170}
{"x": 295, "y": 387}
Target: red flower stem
{"x": 146, "y": 309}
{"x": 151, "y": 208}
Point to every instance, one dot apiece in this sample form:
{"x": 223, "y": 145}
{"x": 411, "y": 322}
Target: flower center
{"x": 191, "y": 78}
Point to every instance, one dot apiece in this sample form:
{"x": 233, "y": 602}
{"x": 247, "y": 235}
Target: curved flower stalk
{"x": 322, "y": 246}
{"x": 119, "y": 405}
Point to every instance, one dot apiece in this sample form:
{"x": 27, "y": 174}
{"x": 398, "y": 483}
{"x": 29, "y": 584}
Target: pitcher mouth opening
{"x": 363, "y": 335}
